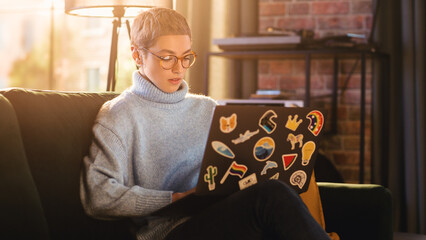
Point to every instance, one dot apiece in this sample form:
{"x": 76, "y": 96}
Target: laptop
{"x": 248, "y": 144}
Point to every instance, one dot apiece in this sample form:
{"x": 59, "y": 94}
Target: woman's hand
{"x": 178, "y": 195}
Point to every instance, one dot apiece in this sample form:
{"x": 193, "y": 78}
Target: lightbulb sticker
{"x": 263, "y": 149}
{"x": 307, "y": 151}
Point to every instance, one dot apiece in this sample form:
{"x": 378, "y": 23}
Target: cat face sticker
{"x": 263, "y": 149}
{"x": 228, "y": 124}
{"x": 266, "y": 121}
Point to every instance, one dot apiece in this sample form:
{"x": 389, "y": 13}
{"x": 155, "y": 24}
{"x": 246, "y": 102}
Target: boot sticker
{"x": 228, "y": 124}
{"x": 292, "y": 123}
{"x": 298, "y": 178}
{"x": 263, "y": 149}
{"x": 244, "y": 137}
{"x": 268, "y": 165}
{"x": 317, "y": 122}
{"x": 288, "y": 160}
{"x": 294, "y": 140}
{"x": 209, "y": 177}
{"x": 307, "y": 151}
{"x": 266, "y": 121}
{"x": 222, "y": 149}
{"x": 236, "y": 170}
{"x": 248, "y": 181}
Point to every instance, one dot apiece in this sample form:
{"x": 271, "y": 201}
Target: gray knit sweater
{"x": 147, "y": 145}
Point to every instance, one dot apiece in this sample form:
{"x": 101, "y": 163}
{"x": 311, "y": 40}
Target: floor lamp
{"x": 116, "y": 9}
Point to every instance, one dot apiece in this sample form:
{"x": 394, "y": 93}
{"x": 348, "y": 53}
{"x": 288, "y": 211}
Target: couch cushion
{"x": 21, "y": 212}
{"x": 56, "y": 132}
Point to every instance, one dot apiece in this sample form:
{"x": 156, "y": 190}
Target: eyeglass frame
{"x": 176, "y": 57}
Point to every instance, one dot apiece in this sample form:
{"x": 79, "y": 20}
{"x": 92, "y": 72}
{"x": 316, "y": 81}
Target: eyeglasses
{"x": 168, "y": 62}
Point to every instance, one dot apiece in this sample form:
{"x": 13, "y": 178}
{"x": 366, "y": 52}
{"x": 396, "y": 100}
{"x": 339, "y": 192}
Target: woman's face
{"x": 170, "y": 80}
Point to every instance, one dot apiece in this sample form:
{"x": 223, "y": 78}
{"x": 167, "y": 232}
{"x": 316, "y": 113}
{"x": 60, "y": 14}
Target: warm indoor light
{"x": 113, "y": 9}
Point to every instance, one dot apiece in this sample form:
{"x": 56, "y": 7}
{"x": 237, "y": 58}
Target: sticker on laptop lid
{"x": 288, "y": 160}
{"x": 276, "y": 176}
{"x": 228, "y": 124}
{"x": 317, "y": 122}
{"x": 234, "y": 169}
{"x": 244, "y": 137}
{"x": 298, "y": 178}
{"x": 298, "y": 139}
{"x": 266, "y": 121}
{"x": 263, "y": 149}
{"x": 209, "y": 177}
{"x": 248, "y": 181}
{"x": 222, "y": 149}
{"x": 268, "y": 165}
{"x": 307, "y": 151}
{"x": 292, "y": 122}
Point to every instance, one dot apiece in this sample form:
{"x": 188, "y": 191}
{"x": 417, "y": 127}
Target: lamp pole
{"x": 116, "y": 24}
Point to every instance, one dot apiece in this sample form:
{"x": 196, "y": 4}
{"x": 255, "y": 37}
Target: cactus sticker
{"x": 209, "y": 177}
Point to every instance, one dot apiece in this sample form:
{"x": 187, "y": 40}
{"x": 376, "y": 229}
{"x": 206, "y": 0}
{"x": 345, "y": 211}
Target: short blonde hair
{"x": 156, "y": 22}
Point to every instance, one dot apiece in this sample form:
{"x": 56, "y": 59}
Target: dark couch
{"x": 44, "y": 136}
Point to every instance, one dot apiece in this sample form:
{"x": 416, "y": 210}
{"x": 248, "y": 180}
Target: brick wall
{"x": 325, "y": 18}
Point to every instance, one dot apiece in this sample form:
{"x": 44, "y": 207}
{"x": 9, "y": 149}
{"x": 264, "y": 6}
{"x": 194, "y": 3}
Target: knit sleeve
{"x": 106, "y": 190}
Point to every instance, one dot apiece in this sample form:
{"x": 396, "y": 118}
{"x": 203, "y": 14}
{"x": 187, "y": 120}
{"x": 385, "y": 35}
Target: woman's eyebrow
{"x": 172, "y": 52}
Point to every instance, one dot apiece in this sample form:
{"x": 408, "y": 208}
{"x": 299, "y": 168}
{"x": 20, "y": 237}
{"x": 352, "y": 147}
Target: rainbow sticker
{"x": 263, "y": 149}
{"x": 317, "y": 122}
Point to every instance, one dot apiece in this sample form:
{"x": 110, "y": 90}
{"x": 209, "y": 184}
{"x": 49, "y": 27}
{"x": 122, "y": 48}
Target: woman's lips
{"x": 175, "y": 80}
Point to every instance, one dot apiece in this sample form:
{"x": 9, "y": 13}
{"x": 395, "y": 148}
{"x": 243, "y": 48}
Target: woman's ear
{"x": 135, "y": 55}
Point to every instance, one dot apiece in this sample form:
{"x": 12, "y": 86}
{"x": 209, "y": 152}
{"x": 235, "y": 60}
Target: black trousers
{"x": 269, "y": 210}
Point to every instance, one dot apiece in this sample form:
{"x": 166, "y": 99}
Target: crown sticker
{"x": 292, "y": 123}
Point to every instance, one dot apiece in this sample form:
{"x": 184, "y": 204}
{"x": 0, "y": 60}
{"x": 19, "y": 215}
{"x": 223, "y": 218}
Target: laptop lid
{"x": 249, "y": 144}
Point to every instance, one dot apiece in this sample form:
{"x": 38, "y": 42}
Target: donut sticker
{"x": 263, "y": 149}
{"x": 266, "y": 121}
{"x": 307, "y": 151}
{"x": 228, "y": 124}
{"x": 222, "y": 149}
{"x": 298, "y": 178}
{"x": 317, "y": 122}
{"x": 288, "y": 160}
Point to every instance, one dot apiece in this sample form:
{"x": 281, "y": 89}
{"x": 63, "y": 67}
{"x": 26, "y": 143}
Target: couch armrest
{"x": 357, "y": 211}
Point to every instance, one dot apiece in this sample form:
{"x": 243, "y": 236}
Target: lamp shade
{"x": 111, "y": 8}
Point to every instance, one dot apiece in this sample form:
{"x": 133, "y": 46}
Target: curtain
{"x": 210, "y": 19}
{"x": 401, "y": 30}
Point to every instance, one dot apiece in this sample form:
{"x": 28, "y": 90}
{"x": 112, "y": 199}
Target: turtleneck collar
{"x": 149, "y": 91}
